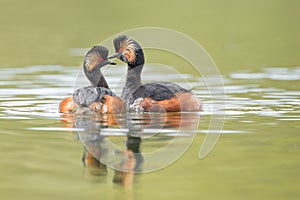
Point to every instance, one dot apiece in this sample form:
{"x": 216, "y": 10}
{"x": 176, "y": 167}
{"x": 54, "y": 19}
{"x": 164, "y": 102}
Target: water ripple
{"x": 36, "y": 90}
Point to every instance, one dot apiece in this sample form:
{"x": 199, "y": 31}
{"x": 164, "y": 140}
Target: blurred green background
{"x": 236, "y": 33}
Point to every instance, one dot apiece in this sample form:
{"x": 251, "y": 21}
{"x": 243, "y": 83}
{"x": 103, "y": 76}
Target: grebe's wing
{"x": 158, "y": 91}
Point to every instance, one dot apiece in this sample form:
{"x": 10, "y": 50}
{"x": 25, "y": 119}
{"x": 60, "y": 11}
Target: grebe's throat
{"x": 133, "y": 81}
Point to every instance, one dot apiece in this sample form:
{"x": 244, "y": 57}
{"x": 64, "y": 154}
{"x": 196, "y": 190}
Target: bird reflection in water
{"x": 100, "y": 154}
{"x": 97, "y": 132}
{"x": 133, "y": 163}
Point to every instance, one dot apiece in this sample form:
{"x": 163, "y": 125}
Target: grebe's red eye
{"x": 101, "y": 59}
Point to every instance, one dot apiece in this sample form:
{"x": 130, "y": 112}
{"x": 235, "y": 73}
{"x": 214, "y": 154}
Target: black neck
{"x": 96, "y": 77}
{"x": 102, "y": 82}
{"x": 133, "y": 81}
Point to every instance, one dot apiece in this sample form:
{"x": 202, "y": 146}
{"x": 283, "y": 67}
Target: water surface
{"x": 257, "y": 156}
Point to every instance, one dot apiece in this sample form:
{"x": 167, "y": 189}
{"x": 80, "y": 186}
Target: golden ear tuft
{"x": 92, "y": 60}
{"x": 128, "y": 48}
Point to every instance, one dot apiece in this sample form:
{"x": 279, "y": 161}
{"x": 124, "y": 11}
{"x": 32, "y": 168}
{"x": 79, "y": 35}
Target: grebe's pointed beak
{"x": 116, "y": 55}
{"x": 120, "y": 56}
{"x": 104, "y": 63}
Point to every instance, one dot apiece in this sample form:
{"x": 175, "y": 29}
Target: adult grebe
{"x": 97, "y": 97}
{"x": 154, "y": 96}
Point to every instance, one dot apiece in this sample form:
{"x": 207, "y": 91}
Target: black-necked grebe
{"x": 154, "y": 96}
{"x": 97, "y": 97}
